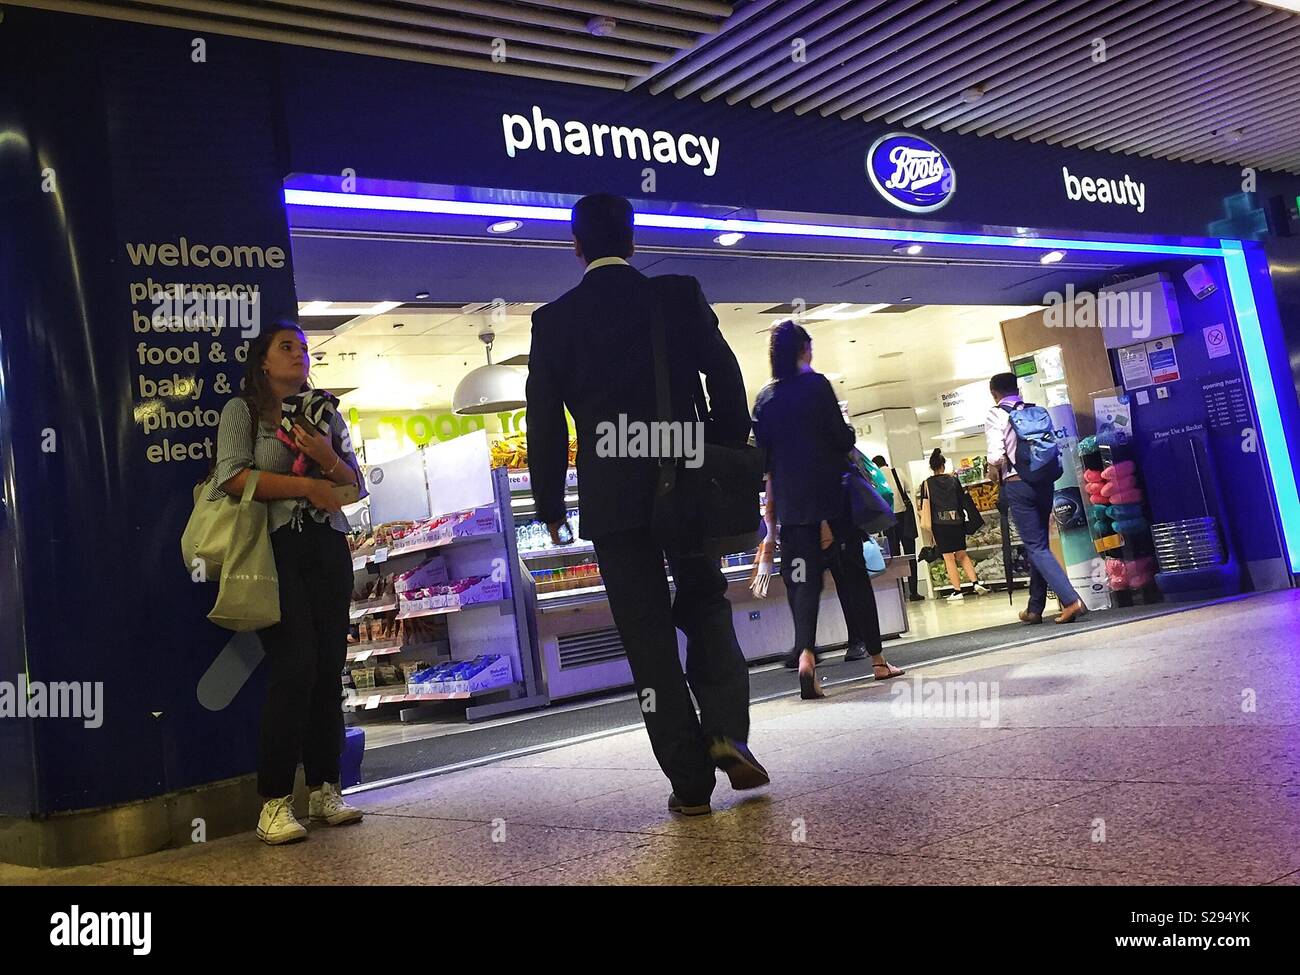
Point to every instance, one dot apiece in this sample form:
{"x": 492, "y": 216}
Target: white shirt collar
{"x": 606, "y": 262}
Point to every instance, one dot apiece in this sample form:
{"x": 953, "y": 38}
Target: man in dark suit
{"x": 591, "y": 352}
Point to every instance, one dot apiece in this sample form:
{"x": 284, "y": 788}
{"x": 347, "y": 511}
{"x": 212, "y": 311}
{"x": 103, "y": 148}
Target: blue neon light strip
{"x": 1277, "y": 454}
{"x": 406, "y": 204}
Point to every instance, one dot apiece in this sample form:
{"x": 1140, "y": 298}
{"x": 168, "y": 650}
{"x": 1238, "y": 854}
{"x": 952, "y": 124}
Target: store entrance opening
{"x": 398, "y": 290}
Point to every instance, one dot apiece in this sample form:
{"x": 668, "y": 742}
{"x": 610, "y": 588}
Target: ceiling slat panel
{"x": 923, "y": 95}
{"x": 907, "y": 47}
{"x": 1194, "y": 80}
{"x": 1115, "y": 108}
{"x": 766, "y": 31}
{"x": 1216, "y": 106}
{"x": 1063, "y": 58}
{"x": 813, "y": 27}
{"x": 1100, "y": 87}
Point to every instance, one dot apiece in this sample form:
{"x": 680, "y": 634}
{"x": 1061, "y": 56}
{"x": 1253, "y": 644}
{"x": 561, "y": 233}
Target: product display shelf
{"x": 371, "y": 698}
{"x": 459, "y": 608}
{"x": 361, "y": 559}
{"x": 361, "y": 652}
{"x": 578, "y": 548}
{"x": 506, "y": 632}
{"x": 371, "y": 607}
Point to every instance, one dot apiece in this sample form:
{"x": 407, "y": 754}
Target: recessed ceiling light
{"x": 911, "y": 250}
{"x": 726, "y": 240}
{"x": 505, "y": 226}
{"x": 908, "y": 298}
{"x": 330, "y": 308}
{"x": 987, "y": 338}
{"x": 890, "y": 355}
{"x": 922, "y": 410}
{"x": 1051, "y": 257}
{"x": 421, "y": 295}
{"x": 399, "y": 324}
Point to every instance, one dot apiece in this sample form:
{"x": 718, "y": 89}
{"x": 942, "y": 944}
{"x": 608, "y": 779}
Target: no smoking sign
{"x": 1216, "y": 341}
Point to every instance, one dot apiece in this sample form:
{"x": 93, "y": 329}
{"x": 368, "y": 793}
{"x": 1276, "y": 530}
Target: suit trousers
{"x": 632, "y": 567}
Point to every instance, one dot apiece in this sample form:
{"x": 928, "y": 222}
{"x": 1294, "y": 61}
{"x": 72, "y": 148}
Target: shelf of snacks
{"x": 421, "y": 682}
{"x": 984, "y": 494}
{"x": 512, "y": 452}
{"x": 394, "y": 539}
{"x": 371, "y": 607}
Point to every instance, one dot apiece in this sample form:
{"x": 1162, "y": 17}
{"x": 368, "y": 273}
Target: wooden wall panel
{"x": 1087, "y": 364}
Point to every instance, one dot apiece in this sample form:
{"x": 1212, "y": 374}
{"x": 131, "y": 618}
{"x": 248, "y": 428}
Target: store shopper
{"x": 902, "y": 536}
{"x": 1028, "y": 495}
{"x": 592, "y": 354}
{"x": 295, "y": 438}
{"x": 797, "y": 420}
{"x": 951, "y": 515}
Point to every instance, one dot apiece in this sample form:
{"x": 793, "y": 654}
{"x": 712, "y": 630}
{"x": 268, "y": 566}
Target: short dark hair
{"x": 879, "y": 460}
{"x": 602, "y": 226}
{"x": 1004, "y": 384}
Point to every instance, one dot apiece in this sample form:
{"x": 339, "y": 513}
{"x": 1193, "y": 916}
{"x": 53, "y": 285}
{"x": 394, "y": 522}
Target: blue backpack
{"x": 1038, "y": 455}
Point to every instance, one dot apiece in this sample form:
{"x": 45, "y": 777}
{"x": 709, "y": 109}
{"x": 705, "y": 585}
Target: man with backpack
{"x": 1026, "y": 460}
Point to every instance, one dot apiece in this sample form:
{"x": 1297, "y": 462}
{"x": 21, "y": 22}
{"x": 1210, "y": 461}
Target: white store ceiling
{"x": 1187, "y": 80}
{"x": 903, "y": 359}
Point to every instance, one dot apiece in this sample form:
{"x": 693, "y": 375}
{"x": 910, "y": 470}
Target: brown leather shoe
{"x": 1071, "y": 612}
{"x": 1030, "y": 618}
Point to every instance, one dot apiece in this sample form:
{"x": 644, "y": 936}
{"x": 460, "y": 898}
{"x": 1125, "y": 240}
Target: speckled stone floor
{"x": 1159, "y": 752}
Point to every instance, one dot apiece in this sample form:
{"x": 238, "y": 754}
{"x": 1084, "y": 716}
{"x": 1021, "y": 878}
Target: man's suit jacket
{"x": 591, "y": 352}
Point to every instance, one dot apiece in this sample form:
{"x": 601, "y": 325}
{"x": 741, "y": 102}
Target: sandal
{"x": 810, "y": 686}
{"x": 889, "y": 669}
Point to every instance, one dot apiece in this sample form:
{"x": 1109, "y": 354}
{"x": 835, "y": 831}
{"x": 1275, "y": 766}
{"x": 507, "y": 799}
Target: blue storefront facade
{"x": 125, "y": 163}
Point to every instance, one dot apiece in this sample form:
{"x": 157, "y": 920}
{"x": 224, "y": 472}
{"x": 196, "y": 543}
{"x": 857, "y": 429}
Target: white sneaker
{"x": 981, "y": 590}
{"x": 327, "y": 806}
{"x": 957, "y": 597}
{"x": 278, "y": 824}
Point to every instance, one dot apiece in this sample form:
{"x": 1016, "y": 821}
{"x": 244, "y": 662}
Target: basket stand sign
{"x": 910, "y": 172}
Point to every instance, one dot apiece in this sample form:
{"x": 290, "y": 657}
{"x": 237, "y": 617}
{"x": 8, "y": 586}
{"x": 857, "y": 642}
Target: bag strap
{"x": 907, "y": 502}
{"x": 250, "y": 487}
{"x": 659, "y": 351}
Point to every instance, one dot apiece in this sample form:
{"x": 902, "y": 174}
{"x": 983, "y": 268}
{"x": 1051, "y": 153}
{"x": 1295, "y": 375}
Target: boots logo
{"x": 910, "y": 172}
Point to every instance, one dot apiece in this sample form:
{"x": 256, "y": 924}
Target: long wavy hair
{"x": 258, "y": 394}
{"x": 785, "y": 345}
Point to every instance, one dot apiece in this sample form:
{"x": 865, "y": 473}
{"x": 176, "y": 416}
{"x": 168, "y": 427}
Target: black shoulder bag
{"x": 712, "y": 508}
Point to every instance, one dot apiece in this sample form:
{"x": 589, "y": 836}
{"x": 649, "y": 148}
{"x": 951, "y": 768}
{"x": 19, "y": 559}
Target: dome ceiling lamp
{"x": 491, "y": 388}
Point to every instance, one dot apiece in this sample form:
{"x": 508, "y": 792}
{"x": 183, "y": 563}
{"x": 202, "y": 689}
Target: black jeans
{"x": 803, "y": 563}
{"x": 303, "y": 716}
{"x": 904, "y": 546}
{"x": 632, "y": 567}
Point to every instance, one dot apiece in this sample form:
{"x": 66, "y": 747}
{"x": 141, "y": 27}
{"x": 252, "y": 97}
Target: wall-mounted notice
{"x": 1163, "y": 361}
{"x": 1217, "y": 343}
{"x": 1134, "y": 367}
{"x": 1226, "y": 407}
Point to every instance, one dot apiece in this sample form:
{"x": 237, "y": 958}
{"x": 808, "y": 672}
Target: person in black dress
{"x": 798, "y": 421}
{"x": 948, "y": 505}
